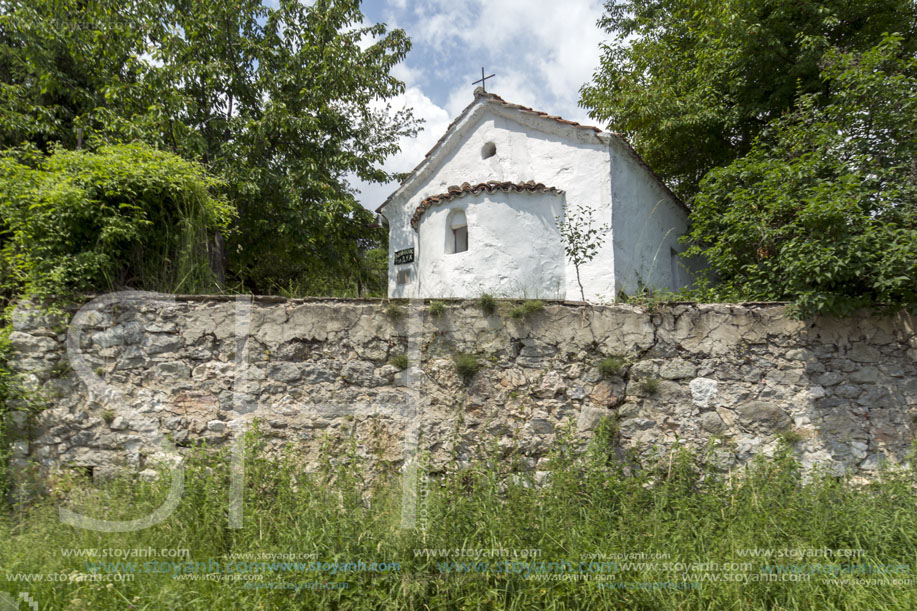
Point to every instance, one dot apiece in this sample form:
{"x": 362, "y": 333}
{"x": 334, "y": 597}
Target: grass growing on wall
{"x": 528, "y": 307}
{"x": 466, "y": 365}
{"x": 612, "y": 365}
{"x": 400, "y": 361}
{"x": 488, "y": 303}
{"x": 698, "y": 539}
{"x": 437, "y": 308}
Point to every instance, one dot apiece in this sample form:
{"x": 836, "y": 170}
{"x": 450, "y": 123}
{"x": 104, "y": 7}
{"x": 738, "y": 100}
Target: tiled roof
{"x": 490, "y": 186}
{"x": 480, "y": 93}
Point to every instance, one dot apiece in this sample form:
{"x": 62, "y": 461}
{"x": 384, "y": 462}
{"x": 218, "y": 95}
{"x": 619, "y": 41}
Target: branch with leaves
{"x": 580, "y": 238}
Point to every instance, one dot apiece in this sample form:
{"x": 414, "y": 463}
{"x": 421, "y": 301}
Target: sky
{"x": 542, "y": 52}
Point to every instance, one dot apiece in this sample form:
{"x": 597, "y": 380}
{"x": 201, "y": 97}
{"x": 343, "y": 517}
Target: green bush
{"x": 822, "y": 211}
{"x": 122, "y": 216}
{"x": 488, "y": 304}
{"x": 466, "y": 365}
{"x": 612, "y": 365}
{"x": 529, "y": 307}
{"x": 437, "y": 308}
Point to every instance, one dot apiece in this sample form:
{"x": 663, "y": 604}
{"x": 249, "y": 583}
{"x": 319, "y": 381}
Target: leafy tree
{"x": 70, "y": 64}
{"x": 580, "y": 238}
{"x": 122, "y": 216}
{"x": 823, "y": 209}
{"x": 692, "y": 84}
{"x": 283, "y": 104}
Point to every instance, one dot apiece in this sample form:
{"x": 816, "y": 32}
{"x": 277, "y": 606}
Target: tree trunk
{"x": 582, "y": 293}
{"x": 218, "y": 259}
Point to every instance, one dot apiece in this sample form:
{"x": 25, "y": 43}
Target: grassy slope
{"x": 683, "y": 507}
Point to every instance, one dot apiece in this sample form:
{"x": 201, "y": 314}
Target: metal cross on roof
{"x": 483, "y": 79}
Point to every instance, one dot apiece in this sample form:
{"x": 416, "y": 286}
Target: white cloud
{"x": 437, "y": 21}
{"x": 407, "y": 74}
{"x": 436, "y": 120}
{"x": 542, "y": 52}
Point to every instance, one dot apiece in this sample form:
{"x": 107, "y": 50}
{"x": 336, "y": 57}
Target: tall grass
{"x": 590, "y": 507}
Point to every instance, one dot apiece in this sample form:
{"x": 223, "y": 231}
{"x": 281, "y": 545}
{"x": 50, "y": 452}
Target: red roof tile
{"x": 490, "y": 186}
{"x": 480, "y": 93}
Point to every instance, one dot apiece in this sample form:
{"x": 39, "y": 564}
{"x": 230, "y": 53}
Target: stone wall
{"x": 128, "y": 374}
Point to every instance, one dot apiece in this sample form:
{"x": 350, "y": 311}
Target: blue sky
{"x": 542, "y": 52}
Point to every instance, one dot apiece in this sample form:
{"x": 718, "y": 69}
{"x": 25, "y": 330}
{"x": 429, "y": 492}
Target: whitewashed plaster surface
{"x": 646, "y": 225}
{"x": 514, "y": 247}
{"x": 592, "y": 169}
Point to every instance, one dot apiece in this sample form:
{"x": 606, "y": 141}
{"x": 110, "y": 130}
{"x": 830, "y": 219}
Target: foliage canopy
{"x": 789, "y": 127}
{"x": 823, "y": 210}
{"x": 692, "y": 84}
{"x": 282, "y": 103}
{"x": 122, "y": 216}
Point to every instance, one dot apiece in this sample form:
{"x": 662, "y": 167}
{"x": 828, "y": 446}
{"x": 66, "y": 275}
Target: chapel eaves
{"x": 484, "y": 99}
{"x": 489, "y": 186}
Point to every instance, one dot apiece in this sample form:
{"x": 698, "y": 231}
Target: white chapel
{"x": 479, "y": 214}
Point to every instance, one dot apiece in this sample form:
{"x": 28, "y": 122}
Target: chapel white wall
{"x": 527, "y": 148}
{"x": 514, "y": 248}
{"x": 647, "y": 224}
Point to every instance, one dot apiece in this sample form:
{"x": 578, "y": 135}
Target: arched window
{"x": 456, "y": 232}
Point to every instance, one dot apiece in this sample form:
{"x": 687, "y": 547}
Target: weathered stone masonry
{"x": 316, "y": 371}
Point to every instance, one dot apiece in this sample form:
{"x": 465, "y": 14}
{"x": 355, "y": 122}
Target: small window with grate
{"x": 456, "y": 233}
{"x": 403, "y": 276}
{"x": 460, "y": 235}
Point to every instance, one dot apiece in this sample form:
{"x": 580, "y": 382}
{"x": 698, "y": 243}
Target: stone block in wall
{"x": 622, "y": 330}
{"x": 677, "y": 369}
{"x": 358, "y": 372}
{"x": 172, "y": 369}
{"x": 284, "y": 372}
{"x": 161, "y": 343}
{"x": 712, "y": 422}
{"x": 607, "y": 393}
{"x": 863, "y": 353}
{"x": 830, "y": 378}
{"x": 315, "y": 373}
{"x": 762, "y": 414}
{"x": 704, "y": 391}
{"x": 590, "y": 417}
{"x": 28, "y": 344}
